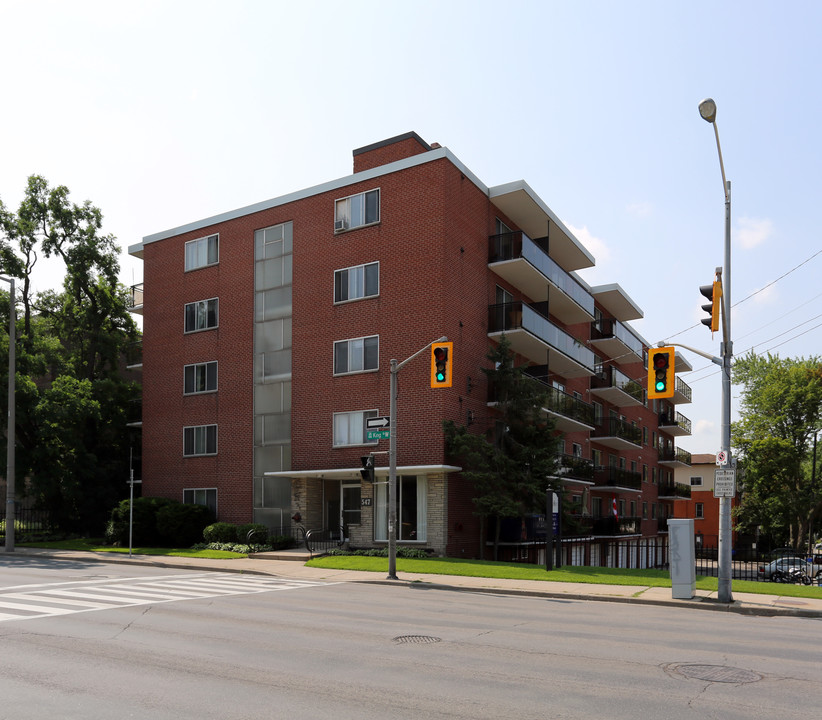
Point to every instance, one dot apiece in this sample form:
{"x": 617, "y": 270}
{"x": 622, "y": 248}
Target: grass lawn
{"x": 95, "y": 545}
{"x": 519, "y": 571}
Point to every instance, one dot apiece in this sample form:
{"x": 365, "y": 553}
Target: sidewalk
{"x": 291, "y": 564}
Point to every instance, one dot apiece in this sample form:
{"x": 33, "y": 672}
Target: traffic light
{"x": 441, "y": 356}
{"x": 661, "y": 372}
{"x": 367, "y": 471}
{"x": 714, "y": 293}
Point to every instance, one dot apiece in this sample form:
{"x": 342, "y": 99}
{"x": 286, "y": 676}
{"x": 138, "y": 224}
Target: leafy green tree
{"x": 510, "y": 466}
{"x": 781, "y": 408}
{"x": 73, "y": 402}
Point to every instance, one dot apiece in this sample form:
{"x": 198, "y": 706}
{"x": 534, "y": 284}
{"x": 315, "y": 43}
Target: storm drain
{"x": 415, "y": 639}
{"x": 717, "y": 673}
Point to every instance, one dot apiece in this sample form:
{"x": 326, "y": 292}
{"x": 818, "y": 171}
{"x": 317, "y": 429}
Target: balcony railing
{"x": 607, "y": 328}
{"x": 673, "y": 489}
{"x": 617, "y": 477}
{"x": 610, "y": 377}
{"x": 675, "y": 419}
{"x": 569, "y": 406}
{"x": 136, "y": 300}
{"x": 616, "y": 428}
{"x": 517, "y": 315}
{"x": 674, "y": 454}
{"x": 613, "y": 526}
{"x": 134, "y": 354}
{"x": 517, "y": 245}
{"x": 683, "y": 389}
{"x": 576, "y": 468}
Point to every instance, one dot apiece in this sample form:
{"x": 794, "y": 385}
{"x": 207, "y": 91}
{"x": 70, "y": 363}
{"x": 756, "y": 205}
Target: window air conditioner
{"x": 340, "y": 225}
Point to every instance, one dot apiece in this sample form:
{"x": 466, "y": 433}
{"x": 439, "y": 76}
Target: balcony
{"x": 674, "y": 423}
{"x": 616, "y": 387}
{"x": 610, "y": 526}
{"x": 536, "y": 338}
{"x": 617, "y": 479}
{"x": 616, "y": 341}
{"x": 682, "y": 392}
{"x": 617, "y": 434}
{"x": 570, "y": 414}
{"x": 575, "y": 470}
{"x": 135, "y": 303}
{"x": 674, "y": 457}
{"x": 670, "y": 490}
{"x": 134, "y": 355}
{"x": 525, "y": 264}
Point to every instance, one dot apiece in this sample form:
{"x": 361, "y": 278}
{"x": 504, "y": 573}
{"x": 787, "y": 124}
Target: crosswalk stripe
{"x": 64, "y": 598}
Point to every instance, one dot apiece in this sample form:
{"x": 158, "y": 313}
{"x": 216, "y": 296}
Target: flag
{"x": 614, "y": 508}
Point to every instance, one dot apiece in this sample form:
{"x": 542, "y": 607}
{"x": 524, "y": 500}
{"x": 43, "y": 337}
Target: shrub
{"x": 144, "y": 529}
{"x": 260, "y": 536}
{"x": 181, "y": 525}
{"x": 220, "y": 532}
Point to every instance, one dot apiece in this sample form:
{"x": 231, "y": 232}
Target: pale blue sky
{"x": 162, "y": 113}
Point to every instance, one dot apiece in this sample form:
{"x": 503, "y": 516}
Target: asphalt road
{"x": 115, "y": 641}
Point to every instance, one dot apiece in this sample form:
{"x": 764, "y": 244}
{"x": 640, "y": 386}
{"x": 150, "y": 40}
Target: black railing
{"x": 669, "y": 419}
{"x": 610, "y": 377}
{"x": 136, "y": 295}
{"x": 674, "y": 454}
{"x": 27, "y": 521}
{"x": 578, "y": 468}
{"x": 673, "y": 489}
{"x": 616, "y": 526}
{"x": 616, "y": 428}
{"x": 617, "y": 477}
{"x": 321, "y": 541}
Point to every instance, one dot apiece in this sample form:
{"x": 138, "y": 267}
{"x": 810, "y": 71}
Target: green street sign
{"x": 377, "y": 434}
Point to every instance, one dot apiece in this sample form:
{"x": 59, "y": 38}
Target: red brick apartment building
{"x": 268, "y": 333}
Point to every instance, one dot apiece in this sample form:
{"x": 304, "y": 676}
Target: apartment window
{"x": 644, "y": 473}
{"x": 200, "y": 378}
{"x": 644, "y": 435}
{"x": 201, "y": 315}
{"x": 349, "y": 428}
{"x": 653, "y": 476}
{"x": 596, "y": 457}
{"x": 576, "y": 450}
{"x": 357, "y": 210}
{"x": 200, "y": 440}
{"x": 356, "y": 355}
{"x": 597, "y": 413}
{"x": 412, "y": 501}
{"x": 696, "y": 481}
{"x": 201, "y": 496}
{"x": 699, "y": 511}
{"x": 357, "y": 282}
{"x": 644, "y": 511}
{"x": 202, "y": 252}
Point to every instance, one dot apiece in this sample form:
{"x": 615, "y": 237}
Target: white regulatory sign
{"x": 724, "y": 483}
{"x": 722, "y": 458}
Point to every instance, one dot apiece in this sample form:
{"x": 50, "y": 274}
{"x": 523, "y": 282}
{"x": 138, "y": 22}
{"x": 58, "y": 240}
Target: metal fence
{"x": 27, "y": 520}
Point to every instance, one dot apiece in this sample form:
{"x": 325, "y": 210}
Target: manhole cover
{"x": 718, "y": 673}
{"x": 418, "y": 639}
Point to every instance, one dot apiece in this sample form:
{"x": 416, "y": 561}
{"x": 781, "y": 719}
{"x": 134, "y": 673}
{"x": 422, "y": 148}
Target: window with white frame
{"x": 202, "y": 252}
{"x": 356, "y": 355}
{"x": 357, "y": 282}
{"x": 201, "y": 315}
{"x": 412, "y": 501}
{"x": 349, "y": 428}
{"x": 699, "y": 511}
{"x": 357, "y": 210}
{"x": 200, "y": 378}
{"x": 199, "y": 440}
{"x": 201, "y": 496}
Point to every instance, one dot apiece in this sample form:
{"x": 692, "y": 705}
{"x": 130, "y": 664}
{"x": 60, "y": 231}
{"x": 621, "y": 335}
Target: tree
{"x": 73, "y": 403}
{"x": 511, "y": 464}
{"x": 780, "y": 410}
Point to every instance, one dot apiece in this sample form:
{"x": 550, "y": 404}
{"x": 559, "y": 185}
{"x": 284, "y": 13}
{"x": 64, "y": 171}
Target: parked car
{"x": 784, "y": 564}
{"x": 784, "y": 552}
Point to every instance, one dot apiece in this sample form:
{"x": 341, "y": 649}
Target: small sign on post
{"x": 724, "y": 483}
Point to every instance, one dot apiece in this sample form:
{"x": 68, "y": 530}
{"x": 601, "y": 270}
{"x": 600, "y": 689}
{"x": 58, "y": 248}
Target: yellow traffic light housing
{"x": 441, "y": 357}
{"x": 661, "y": 378}
{"x": 714, "y": 293}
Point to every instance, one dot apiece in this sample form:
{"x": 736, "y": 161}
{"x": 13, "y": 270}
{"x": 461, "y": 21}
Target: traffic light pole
{"x": 392, "y": 461}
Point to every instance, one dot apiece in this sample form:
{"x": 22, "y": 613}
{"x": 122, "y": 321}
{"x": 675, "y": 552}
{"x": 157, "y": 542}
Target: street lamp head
{"x": 707, "y": 109}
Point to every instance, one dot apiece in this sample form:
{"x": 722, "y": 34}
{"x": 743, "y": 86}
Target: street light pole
{"x": 10, "y": 431}
{"x": 707, "y": 109}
